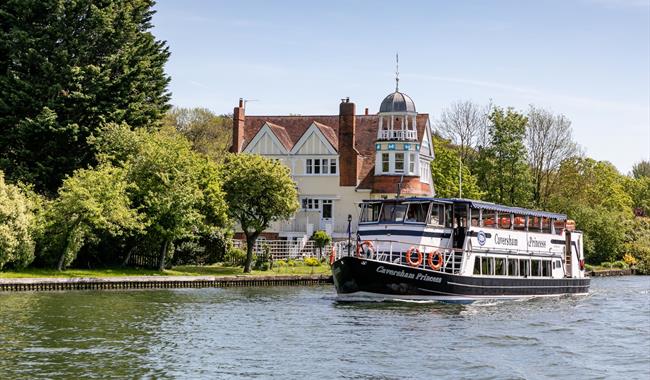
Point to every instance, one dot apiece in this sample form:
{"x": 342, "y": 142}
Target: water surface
{"x": 304, "y": 333}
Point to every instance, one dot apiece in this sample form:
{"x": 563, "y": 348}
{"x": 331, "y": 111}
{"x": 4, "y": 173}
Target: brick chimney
{"x": 348, "y": 155}
{"x": 238, "y": 120}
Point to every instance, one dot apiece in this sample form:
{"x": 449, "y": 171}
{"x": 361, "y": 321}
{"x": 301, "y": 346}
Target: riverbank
{"x": 611, "y": 272}
{"x": 160, "y": 282}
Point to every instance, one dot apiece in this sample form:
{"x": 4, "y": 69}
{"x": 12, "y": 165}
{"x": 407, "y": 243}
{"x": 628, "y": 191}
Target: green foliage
{"x": 258, "y": 191}
{"x": 16, "y": 225}
{"x": 291, "y": 263}
{"x": 263, "y": 261}
{"x": 235, "y": 256}
{"x": 502, "y": 167}
{"x": 641, "y": 169}
{"x": 589, "y": 267}
{"x": 321, "y": 238}
{"x": 89, "y": 202}
{"x": 177, "y": 189}
{"x": 637, "y": 244}
{"x": 639, "y": 190}
{"x": 620, "y": 264}
{"x": 67, "y": 67}
{"x": 209, "y": 133}
{"x": 444, "y": 172}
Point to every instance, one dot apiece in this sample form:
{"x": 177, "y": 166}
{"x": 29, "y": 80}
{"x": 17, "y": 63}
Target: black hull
{"x": 354, "y": 276}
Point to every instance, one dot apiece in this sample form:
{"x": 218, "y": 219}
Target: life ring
{"x": 332, "y": 256}
{"x": 437, "y": 254}
{"x": 368, "y": 245}
{"x": 410, "y": 262}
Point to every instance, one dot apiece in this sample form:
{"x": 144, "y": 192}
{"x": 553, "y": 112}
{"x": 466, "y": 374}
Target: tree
{"x": 502, "y": 167}
{"x": 90, "y": 201}
{"x": 594, "y": 194}
{"x": 258, "y": 191}
{"x": 321, "y": 239}
{"x": 67, "y": 67}
{"x": 549, "y": 142}
{"x": 641, "y": 169}
{"x": 209, "y": 133}
{"x": 16, "y": 219}
{"x": 463, "y": 122}
{"x": 177, "y": 189}
{"x": 445, "y": 170}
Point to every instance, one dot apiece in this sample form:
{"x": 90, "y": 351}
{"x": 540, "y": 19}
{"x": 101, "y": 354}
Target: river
{"x": 304, "y": 333}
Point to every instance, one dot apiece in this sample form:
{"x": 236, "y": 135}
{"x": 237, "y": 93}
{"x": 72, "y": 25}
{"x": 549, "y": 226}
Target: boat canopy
{"x": 477, "y": 205}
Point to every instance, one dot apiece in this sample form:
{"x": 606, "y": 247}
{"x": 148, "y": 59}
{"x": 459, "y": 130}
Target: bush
{"x": 263, "y": 261}
{"x": 606, "y": 264}
{"x": 589, "y": 268}
{"x": 235, "y": 257}
{"x": 641, "y": 254}
{"x": 291, "y": 263}
{"x": 311, "y": 262}
{"x": 16, "y": 221}
{"x": 620, "y": 264}
{"x": 280, "y": 263}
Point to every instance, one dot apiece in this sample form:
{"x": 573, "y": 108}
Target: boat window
{"x": 393, "y": 213}
{"x": 448, "y": 219}
{"x": 559, "y": 225}
{"x": 546, "y": 268}
{"x": 437, "y": 215}
{"x": 499, "y": 266}
{"x": 534, "y": 267}
{"x": 534, "y": 224}
{"x": 546, "y": 225}
{"x": 475, "y": 217}
{"x": 477, "y": 265}
{"x": 558, "y": 264}
{"x": 504, "y": 221}
{"x": 489, "y": 219}
{"x": 513, "y": 265}
{"x": 417, "y": 212}
{"x": 520, "y": 223}
{"x": 370, "y": 212}
{"x": 487, "y": 265}
{"x": 524, "y": 267}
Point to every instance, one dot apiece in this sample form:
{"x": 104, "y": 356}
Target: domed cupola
{"x": 397, "y": 102}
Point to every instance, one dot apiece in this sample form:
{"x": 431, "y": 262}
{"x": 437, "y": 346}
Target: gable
{"x": 313, "y": 142}
{"x": 426, "y": 148}
{"x": 265, "y": 142}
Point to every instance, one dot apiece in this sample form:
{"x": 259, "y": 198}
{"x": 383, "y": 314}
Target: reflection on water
{"x": 294, "y": 332}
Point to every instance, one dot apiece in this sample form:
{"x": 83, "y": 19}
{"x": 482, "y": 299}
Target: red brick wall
{"x": 385, "y": 184}
{"x": 266, "y": 235}
{"x": 238, "y": 119}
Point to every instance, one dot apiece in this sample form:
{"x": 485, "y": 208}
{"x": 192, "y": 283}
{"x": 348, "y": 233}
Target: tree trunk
{"x": 163, "y": 255}
{"x": 128, "y": 256}
{"x": 250, "y": 242}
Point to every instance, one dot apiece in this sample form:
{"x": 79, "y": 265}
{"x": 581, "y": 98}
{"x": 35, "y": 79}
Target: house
{"x": 339, "y": 160}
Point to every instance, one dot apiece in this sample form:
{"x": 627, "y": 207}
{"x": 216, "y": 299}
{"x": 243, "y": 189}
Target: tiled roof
{"x": 289, "y": 129}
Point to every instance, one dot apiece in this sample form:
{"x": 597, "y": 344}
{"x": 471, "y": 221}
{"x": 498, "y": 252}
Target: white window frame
{"x": 323, "y": 165}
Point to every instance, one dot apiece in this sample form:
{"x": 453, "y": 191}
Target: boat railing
{"x": 393, "y": 251}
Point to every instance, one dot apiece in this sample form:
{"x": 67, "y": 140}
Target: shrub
{"x": 291, "y": 263}
{"x": 321, "y": 239}
{"x": 16, "y": 222}
{"x": 235, "y": 257}
{"x": 641, "y": 254}
{"x": 264, "y": 259}
{"x": 280, "y": 263}
{"x": 629, "y": 259}
{"x": 589, "y": 268}
{"x": 620, "y": 264}
{"x": 311, "y": 262}
{"x": 606, "y": 264}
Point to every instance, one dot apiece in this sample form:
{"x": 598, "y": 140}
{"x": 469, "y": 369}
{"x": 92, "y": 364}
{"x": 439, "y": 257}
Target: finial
{"x": 396, "y": 72}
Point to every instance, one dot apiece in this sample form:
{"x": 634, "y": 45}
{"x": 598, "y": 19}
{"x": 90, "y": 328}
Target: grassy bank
{"x": 186, "y": 270}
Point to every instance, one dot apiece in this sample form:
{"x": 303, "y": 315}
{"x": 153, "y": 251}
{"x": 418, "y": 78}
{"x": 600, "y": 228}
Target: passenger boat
{"x": 459, "y": 250}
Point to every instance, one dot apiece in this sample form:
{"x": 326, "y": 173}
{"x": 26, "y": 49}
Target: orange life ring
{"x": 437, "y": 254}
{"x": 368, "y": 244}
{"x": 408, "y": 257}
{"x": 332, "y": 256}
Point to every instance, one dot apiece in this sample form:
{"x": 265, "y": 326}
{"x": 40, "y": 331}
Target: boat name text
{"x": 505, "y": 240}
{"x": 412, "y": 276}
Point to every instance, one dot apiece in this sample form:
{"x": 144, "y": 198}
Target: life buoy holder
{"x": 582, "y": 264}
{"x": 369, "y": 247}
{"x": 409, "y": 259}
{"x": 332, "y": 256}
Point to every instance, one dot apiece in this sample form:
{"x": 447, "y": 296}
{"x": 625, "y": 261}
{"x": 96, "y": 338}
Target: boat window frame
{"x": 426, "y": 215}
{"x": 363, "y": 205}
{"x": 441, "y": 216}
{"x": 394, "y": 204}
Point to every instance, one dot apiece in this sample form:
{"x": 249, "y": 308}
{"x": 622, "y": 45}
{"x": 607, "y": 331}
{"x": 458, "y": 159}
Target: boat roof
{"x": 483, "y": 205}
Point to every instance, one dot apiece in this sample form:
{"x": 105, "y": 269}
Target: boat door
{"x": 460, "y": 224}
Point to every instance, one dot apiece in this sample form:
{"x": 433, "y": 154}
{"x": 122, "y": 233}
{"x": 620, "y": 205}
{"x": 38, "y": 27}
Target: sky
{"x": 586, "y": 59}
